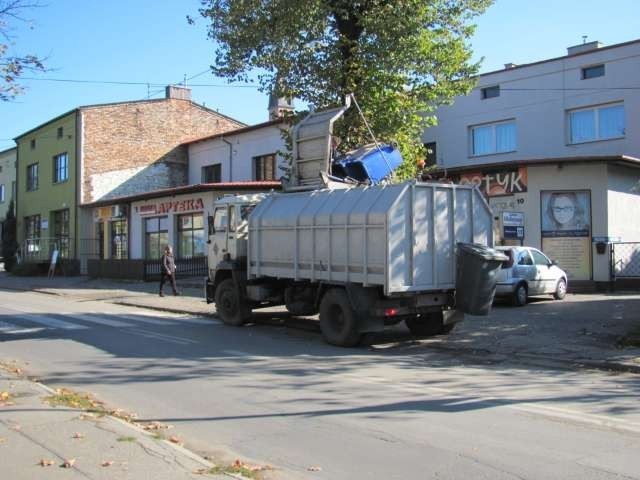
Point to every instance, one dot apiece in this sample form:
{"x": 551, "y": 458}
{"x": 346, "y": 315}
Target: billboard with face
{"x": 566, "y": 230}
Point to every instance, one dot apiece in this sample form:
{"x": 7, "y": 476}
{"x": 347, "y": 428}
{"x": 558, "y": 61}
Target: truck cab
{"x": 228, "y": 231}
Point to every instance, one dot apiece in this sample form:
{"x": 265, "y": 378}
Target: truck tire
{"x": 229, "y": 306}
{"x": 427, "y": 325}
{"x": 338, "y": 321}
{"x": 300, "y": 301}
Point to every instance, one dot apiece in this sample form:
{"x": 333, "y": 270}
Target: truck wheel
{"x": 427, "y": 325}
{"x": 299, "y": 301}
{"x": 338, "y": 321}
{"x": 231, "y": 309}
{"x": 519, "y": 298}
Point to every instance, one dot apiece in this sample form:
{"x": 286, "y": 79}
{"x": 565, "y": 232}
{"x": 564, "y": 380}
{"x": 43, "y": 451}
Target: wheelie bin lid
{"x": 483, "y": 251}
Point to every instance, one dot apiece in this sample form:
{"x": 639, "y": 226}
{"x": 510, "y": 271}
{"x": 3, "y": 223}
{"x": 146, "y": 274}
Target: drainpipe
{"x": 230, "y": 158}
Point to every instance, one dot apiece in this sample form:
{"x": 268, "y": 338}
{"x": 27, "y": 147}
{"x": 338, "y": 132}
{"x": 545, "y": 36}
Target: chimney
{"x": 583, "y": 47}
{"x": 179, "y": 93}
{"x": 509, "y": 65}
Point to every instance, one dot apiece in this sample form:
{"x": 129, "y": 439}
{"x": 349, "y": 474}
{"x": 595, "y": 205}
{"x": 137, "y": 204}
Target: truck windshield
{"x": 245, "y": 211}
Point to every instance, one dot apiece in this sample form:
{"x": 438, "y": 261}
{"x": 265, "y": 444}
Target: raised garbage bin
{"x": 476, "y": 270}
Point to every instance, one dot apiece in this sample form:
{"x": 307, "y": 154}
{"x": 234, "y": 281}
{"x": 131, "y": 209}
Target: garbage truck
{"x": 363, "y": 257}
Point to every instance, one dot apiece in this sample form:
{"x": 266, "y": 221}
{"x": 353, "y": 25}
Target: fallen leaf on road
{"x": 4, "y": 396}
{"x": 155, "y": 426}
{"x": 78, "y": 435}
{"x": 107, "y": 463}
{"x": 68, "y": 463}
{"x": 16, "y": 428}
{"x": 3, "y": 440}
{"x": 201, "y": 471}
{"x": 314, "y": 469}
{"x": 46, "y": 462}
{"x": 174, "y": 439}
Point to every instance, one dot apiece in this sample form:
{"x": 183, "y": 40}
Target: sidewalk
{"x": 583, "y": 331}
{"x": 38, "y": 440}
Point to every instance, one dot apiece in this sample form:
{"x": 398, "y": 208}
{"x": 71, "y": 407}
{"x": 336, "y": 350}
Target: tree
{"x": 9, "y": 245}
{"x": 401, "y": 58}
{"x": 12, "y": 66}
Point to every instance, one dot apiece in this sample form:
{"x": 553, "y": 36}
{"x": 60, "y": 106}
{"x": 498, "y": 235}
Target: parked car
{"x": 528, "y": 273}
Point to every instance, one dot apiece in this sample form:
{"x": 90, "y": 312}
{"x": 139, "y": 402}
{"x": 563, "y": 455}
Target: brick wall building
{"x": 98, "y": 152}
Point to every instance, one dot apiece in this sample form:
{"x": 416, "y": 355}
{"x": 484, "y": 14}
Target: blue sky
{"x": 150, "y": 41}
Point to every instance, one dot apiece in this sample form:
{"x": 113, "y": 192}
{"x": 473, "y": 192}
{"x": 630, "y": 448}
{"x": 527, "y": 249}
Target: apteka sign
{"x": 171, "y": 206}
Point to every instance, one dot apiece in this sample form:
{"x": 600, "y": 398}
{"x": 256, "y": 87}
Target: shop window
{"x": 499, "y": 137}
{"x": 156, "y": 232}
{"x": 191, "y": 235}
{"x": 119, "y": 239}
{"x": 264, "y": 167}
{"x": 212, "y": 173}
{"x": 32, "y": 177}
{"x": 32, "y": 233}
{"x": 596, "y": 123}
{"x": 61, "y": 231}
{"x": 60, "y": 168}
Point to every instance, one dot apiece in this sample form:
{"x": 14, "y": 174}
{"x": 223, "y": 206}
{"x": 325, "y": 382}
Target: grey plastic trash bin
{"x": 476, "y": 270}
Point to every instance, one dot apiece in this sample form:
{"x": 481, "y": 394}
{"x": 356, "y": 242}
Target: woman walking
{"x": 168, "y": 270}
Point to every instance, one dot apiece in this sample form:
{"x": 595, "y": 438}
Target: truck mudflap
{"x": 452, "y": 316}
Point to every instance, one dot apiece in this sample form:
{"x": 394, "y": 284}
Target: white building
{"x": 538, "y": 136}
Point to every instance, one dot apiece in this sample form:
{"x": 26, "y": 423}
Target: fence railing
{"x": 625, "y": 260}
{"x": 39, "y": 250}
{"x": 185, "y": 267}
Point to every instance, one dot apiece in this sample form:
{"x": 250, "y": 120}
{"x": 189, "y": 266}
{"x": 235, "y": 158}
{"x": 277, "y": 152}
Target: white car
{"x": 528, "y": 273}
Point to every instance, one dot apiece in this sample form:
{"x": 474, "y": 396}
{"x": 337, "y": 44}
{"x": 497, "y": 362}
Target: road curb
{"x": 132, "y": 426}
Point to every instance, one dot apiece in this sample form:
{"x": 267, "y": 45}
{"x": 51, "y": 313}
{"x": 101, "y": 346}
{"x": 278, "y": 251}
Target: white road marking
{"x": 164, "y": 338}
{"x": 53, "y": 322}
{"x": 99, "y": 320}
{"x": 11, "y": 329}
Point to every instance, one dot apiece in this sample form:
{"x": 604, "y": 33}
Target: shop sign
{"x": 513, "y": 219}
{"x": 495, "y": 184}
{"x": 169, "y": 206}
{"x": 606, "y": 239}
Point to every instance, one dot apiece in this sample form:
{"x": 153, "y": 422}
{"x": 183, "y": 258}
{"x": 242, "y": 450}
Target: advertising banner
{"x": 496, "y": 184}
{"x": 566, "y": 230}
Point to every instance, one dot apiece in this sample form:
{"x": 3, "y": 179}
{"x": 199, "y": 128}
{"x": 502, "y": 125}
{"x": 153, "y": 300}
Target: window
{"x": 61, "y": 231}
{"x": 540, "y": 258}
{"x": 60, "y": 132}
{"x": 32, "y": 233}
{"x": 212, "y": 173}
{"x": 596, "y": 123}
{"x": 490, "y": 92}
{"x": 592, "y": 72}
{"x": 190, "y": 235}
{"x": 60, "y": 168}
{"x": 493, "y": 138}
{"x": 2, "y": 193}
{"x": 33, "y": 144}
{"x": 220, "y": 220}
{"x": 524, "y": 258}
{"x": 431, "y": 154}
{"x": 156, "y": 236}
{"x": 264, "y": 167}
{"x": 32, "y": 177}
{"x": 119, "y": 240}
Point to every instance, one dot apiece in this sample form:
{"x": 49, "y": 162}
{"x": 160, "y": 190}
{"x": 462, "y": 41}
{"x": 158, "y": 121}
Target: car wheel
{"x": 519, "y": 298}
{"x": 561, "y": 289}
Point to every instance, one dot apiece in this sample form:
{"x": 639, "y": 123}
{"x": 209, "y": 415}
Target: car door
{"x": 525, "y": 269}
{"x": 544, "y": 273}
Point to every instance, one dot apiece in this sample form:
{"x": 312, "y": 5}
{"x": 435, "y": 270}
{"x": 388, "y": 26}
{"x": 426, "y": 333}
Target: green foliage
{"x": 13, "y": 66}
{"x": 9, "y": 238}
{"x": 401, "y": 58}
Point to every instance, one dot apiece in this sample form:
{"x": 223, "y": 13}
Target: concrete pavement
{"x": 38, "y": 440}
{"x": 583, "y": 331}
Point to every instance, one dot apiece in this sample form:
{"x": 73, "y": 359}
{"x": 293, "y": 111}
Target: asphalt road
{"x": 279, "y": 396}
